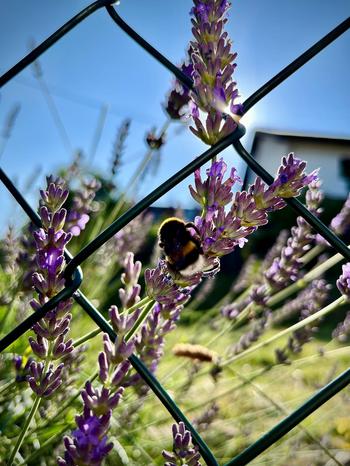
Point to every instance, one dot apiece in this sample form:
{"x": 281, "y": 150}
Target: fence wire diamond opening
{"x": 73, "y": 273}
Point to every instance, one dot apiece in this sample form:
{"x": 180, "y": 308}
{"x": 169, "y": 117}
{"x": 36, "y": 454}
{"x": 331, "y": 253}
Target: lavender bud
{"x": 182, "y": 449}
{"x": 343, "y": 283}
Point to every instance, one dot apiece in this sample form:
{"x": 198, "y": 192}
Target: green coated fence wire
{"x": 73, "y": 272}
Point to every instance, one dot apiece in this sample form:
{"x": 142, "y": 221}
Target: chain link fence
{"x": 73, "y": 272}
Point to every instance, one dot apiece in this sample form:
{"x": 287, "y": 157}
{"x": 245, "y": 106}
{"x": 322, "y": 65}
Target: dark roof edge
{"x": 299, "y": 136}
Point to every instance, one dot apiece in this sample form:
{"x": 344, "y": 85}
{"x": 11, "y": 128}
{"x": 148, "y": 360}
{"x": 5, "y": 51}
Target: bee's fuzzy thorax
{"x": 169, "y": 224}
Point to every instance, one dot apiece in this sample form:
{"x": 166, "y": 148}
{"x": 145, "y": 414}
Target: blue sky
{"x": 96, "y": 64}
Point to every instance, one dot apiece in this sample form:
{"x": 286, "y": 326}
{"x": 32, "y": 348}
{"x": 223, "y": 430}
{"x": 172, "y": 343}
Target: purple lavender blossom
{"x": 119, "y": 146}
{"x": 342, "y": 331}
{"x": 214, "y": 191}
{"x": 51, "y": 331}
{"x": 343, "y": 282}
{"x": 318, "y": 294}
{"x": 291, "y": 178}
{"x": 341, "y": 222}
{"x": 149, "y": 343}
{"x": 82, "y": 206}
{"x": 248, "y": 338}
{"x": 203, "y": 422}
{"x": 178, "y": 99}
{"x": 286, "y": 267}
{"x": 130, "y": 294}
{"x": 183, "y": 451}
{"x": 88, "y": 445}
{"x": 162, "y": 288}
{"x": 22, "y": 368}
{"x": 212, "y": 73}
{"x": 220, "y": 229}
{"x": 44, "y": 382}
{"x": 232, "y": 310}
{"x": 275, "y": 250}
{"x": 27, "y": 255}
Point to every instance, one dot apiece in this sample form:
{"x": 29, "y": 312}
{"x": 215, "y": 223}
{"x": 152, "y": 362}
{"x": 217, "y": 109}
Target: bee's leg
{"x": 213, "y": 271}
{"x": 192, "y": 225}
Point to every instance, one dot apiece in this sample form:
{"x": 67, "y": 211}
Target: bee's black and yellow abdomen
{"x": 188, "y": 255}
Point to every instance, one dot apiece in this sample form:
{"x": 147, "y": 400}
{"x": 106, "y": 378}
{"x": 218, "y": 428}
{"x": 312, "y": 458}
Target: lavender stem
{"x": 140, "y": 320}
{"x": 282, "y": 410}
{"x": 294, "y": 287}
{"x": 314, "y": 252}
{"x": 143, "y": 302}
{"x": 25, "y": 428}
{"x": 133, "y": 180}
{"x": 326, "y": 310}
{"x": 33, "y": 410}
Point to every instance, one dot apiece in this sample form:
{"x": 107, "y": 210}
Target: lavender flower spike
{"x": 83, "y": 205}
{"x": 221, "y": 229}
{"x": 214, "y": 110}
{"x": 178, "y": 99}
{"x": 291, "y": 178}
{"x": 88, "y": 445}
{"x": 342, "y": 331}
{"x": 183, "y": 452}
{"x": 286, "y": 267}
{"x": 51, "y": 331}
{"x": 343, "y": 283}
{"x": 162, "y": 288}
{"x": 340, "y": 223}
{"x": 130, "y": 294}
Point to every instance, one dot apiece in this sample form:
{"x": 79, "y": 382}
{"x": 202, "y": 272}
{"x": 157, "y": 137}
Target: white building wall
{"x": 325, "y": 156}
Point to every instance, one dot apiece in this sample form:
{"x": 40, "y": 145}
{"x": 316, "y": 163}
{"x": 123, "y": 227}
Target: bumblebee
{"x": 182, "y": 248}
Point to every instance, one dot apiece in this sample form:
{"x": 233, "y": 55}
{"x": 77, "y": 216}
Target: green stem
{"x": 97, "y": 331}
{"x": 25, "y": 429}
{"x": 66, "y": 405}
{"x": 326, "y": 310}
{"x": 7, "y": 386}
{"x": 323, "y": 267}
{"x": 148, "y": 302}
{"x": 314, "y": 252}
{"x": 205, "y": 403}
{"x": 333, "y": 353}
{"x": 307, "y": 278}
{"x": 32, "y": 411}
{"x": 294, "y": 287}
{"x": 140, "y": 320}
{"x": 282, "y": 410}
{"x": 45, "y": 445}
{"x": 135, "y": 177}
